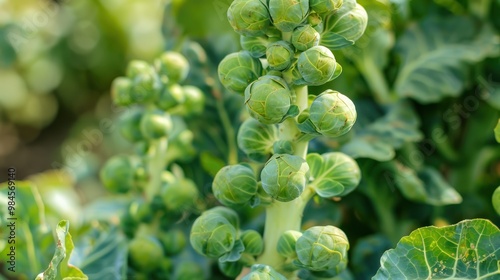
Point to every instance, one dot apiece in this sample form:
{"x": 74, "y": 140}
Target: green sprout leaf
{"x": 496, "y": 200}
{"x": 497, "y": 131}
{"x": 59, "y": 264}
{"x": 439, "y": 66}
{"x": 467, "y": 250}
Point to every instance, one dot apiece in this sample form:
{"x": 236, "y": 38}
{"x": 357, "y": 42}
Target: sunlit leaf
{"x": 467, "y": 250}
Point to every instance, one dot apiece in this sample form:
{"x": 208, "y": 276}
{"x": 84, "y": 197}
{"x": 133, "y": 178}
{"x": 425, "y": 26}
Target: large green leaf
{"x": 436, "y": 55}
{"x": 467, "y": 250}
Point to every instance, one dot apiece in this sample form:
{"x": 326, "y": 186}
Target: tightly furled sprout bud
{"x": 256, "y": 139}
{"x": 305, "y": 37}
{"x": 171, "y": 96}
{"x": 194, "y": 101}
{"x": 118, "y": 174}
{"x": 263, "y": 272}
{"x": 323, "y": 248}
{"x": 231, "y": 269}
{"x": 212, "y": 235}
{"x": 332, "y": 113}
{"x": 234, "y": 185}
{"x": 288, "y": 14}
{"x": 280, "y": 55}
{"x": 268, "y": 99}
{"x": 249, "y": 17}
{"x": 287, "y": 242}
{"x": 121, "y": 91}
{"x": 238, "y": 70}
{"x": 145, "y": 85}
{"x": 314, "y": 19}
{"x": 145, "y": 245}
{"x": 349, "y": 23}
{"x": 129, "y": 125}
{"x": 317, "y": 65}
{"x": 137, "y": 67}
{"x": 180, "y": 196}
{"x": 172, "y": 67}
{"x": 284, "y": 177}
{"x": 325, "y": 7}
{"x": 225, "y": 212}
{"x": 256, "y": 46}
{"x": 253, "y": 242}
{"x": 173, "y": 241}
{"x": 156, "y": 124}
{"x": 140, "y": 211}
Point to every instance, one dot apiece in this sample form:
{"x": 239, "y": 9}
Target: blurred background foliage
{"x": 425, "y": 79}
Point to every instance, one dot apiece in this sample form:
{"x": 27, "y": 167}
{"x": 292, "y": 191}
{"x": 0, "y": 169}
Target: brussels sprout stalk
{"x": 157, "y": 162}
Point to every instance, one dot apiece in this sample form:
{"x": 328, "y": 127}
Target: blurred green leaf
{"x": 437, "y": 54}
{"x": 495, "y": 199}
{"x": 467, "y": 250}
{"x": 366, "y": 255}
{"x": 497, "y": 131}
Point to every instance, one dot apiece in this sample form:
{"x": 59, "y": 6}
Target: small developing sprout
{"x": 213, "y": 234}
{"x": 156, "y": 124}
{"x": 253, "y": 242}
{"x": 231, "y": 269}
{"x": 305, "y": 37}
{"x": 332, "y": 113}
{"x": 194, "y": 101}
{"x": 280, "y": 55}
{"x": 287, "y": 242}
{"x": 171, "y": 96}
{"x": 256, "y": 139}
{"x": 238, "y": 70}
{"x": 121, "y": 91}
{"x": 263, "y": 272}
{"x": 317, "y": 65}
{"x": 118, "y": 174}
{"x": 349, "y": 22}
{"x": 284, "y": 177}
{"x": 180, "y": 195}
{"x": 268, "y": 99}
{"x": 172, "y": 67}
{"x": 129, "y": 125}
{"x": 256, "y": 46}
{"x": 322, "y": 248}
{"x": 140, "y": 211}
{"x": 234, "y": 185}
{"x": 145, "y": 84}
{"x": 314, "y": 19}
{"x": 325, "y": 7}
{"x": 249, "y": 17}
{"x": 145, "y": 245}
{"x": 173, "y": 241}
{"x": 288, "y": 14}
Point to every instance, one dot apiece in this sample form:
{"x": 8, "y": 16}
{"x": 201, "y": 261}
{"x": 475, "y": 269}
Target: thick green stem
{"x": 156, "y": 164}
{"x": 375, "y": 79}
{"x": 283, "y": 216}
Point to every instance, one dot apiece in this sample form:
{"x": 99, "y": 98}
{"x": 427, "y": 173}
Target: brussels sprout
{"x": 171, "y": 96}
{"x": 137, "y": 67}
{"x": 121, "y": 91}
{"x": 288, "y": 14}
{"x": 249, "y": 17}
{"x": 349, "y": 23}
{"x": 180, "y": 196}
{"x": 194, "y": 102}
{"x": 140, "y": 211}
{"x": 332, "y": 113}
{"x": 305, "y": 37}
{"x": 314, "y": 19}
{"x": 323, "y": 248}
{"x": 284, "y": 177}
{"x": 156, "y": 124}
{"x": 268, "y": 99}
{"x": 117, "y": 174}
{"x": 238, "y": 70}
{"x": 256, "y": 46}
{"x": 234, "y": 185}
{"x": 188, "y": 271}
{"x": 212, "y": 235}
{"x": 225, "y": 212}
{"x": 263, "y": 272}
{"x": 142, "y": 246}
{"x": 173, "y": 241}
{"x": 231, "y": 269}
{"x": 325, "y": 7}
{"x": 283, "y": 147}
{"x": 172, "y": 67}
{"x": 280, "y": 55}
{"x": 145, "y": 84}
{"x": 129, "y": 125}
{"x": 287, "y": 242}
{"x": 317, "y": 65}
{"x": 256, "y": 139}
{"x": 253, "y": 242}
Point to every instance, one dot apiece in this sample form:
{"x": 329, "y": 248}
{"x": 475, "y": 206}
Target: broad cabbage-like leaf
{"x": 467, "y": 250}
{"x": 436, "y": 55}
